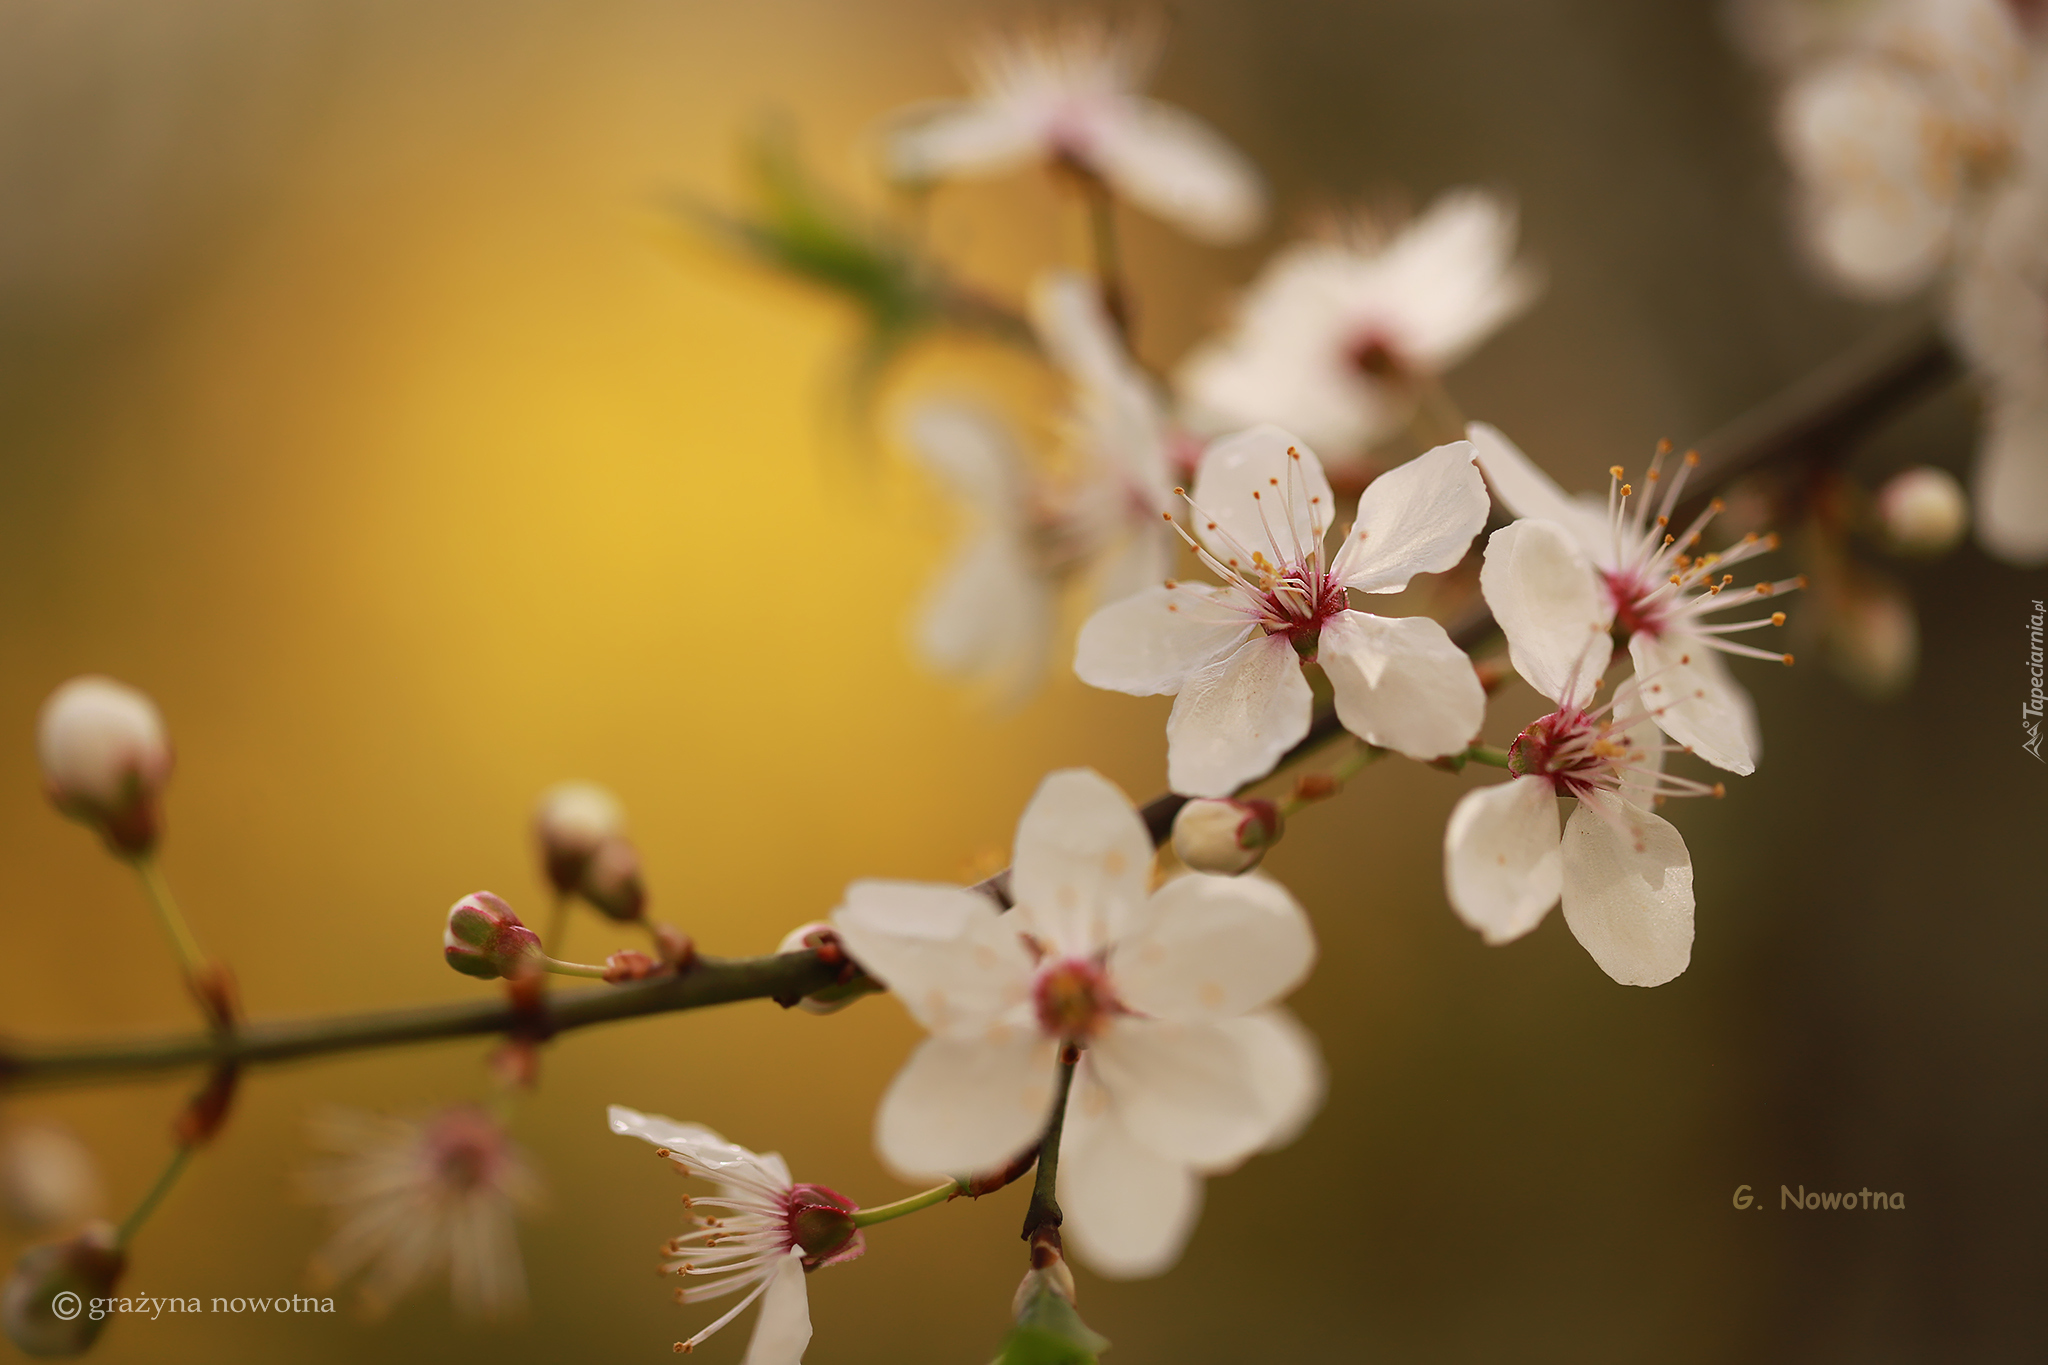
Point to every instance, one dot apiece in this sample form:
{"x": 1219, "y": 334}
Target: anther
{"x": 1614, "y": 471}
{"x": 1777, "y": 618}
{"x": 1720, "y": 790}
{"x": 1692, "y": 459}
{"x": 1718, "y": 505}
{"x": 1799, "y": 582}
{"x": 1663, "y": 445}
{"x": 1628, "y": 490}
{"x": 1788, "y": 661}
{"x": 1763, "y": 590}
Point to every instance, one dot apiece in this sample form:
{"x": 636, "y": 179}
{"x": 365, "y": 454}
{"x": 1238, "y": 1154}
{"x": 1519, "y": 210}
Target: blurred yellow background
{"x": 359, "y": 402}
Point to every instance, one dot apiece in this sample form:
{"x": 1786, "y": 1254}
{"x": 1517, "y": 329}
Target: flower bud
{"x": 47, "y": 1178}
{"x": 1923, "y": 511}
{"x": 851, "y": 986}
{"x": 484, "y": 938}
{"x": 48, "y": 1307}
{"x": 611, "y": 881}
{"x": 105, "y": 760}
{"x": 1221, "y": 834}
{"x": 1874, "y": 637}
{"x": 570, "y": 821}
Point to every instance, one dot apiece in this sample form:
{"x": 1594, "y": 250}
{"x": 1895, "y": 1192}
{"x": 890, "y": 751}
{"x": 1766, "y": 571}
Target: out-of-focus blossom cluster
{"x": 1917, "y": 132}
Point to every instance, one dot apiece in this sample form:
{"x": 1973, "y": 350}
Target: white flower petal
{"x": 1541, "y": 590}
{"x": 959, "y": 1106}
{"x": 989, "y": 613}
{"x": 1628, "y": 890}
{"x": 1171, "y": 163}
{"x": 1234, "y": 719}
{"x": 1418, "y": 517}
{"x": 2010, "y": 490}
{"x": 1184, "y": 1090}
{"x": 1287, "y": 1069}
{"x": 1129, "y": 1211}
{"x": 1638, "y": 730}
{"x": 1400, "y": 683}
{"x": 948, "y": 954}
{"x": 973, "y": 451}
{"x": 1152, "y": 642}
{"x": 1082, "y": 863}
{"x": 700, "y": 1146}
{"x": 1502, "y": 866}
{"x": 957, "y": 137}
{"x": 1261, "y": 491}
{"x": 782, "y": 1330}
{"x": 1695, "y": 700}
{"x": 1526, "y": 491}
{"x": 1207, "y": 947}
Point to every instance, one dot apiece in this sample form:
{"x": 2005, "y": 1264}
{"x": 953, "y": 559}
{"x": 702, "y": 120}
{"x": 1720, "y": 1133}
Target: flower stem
{"x": 882, "y": 1213}
{"x": 560, "y": 968}
{"x": 1044, "y": 1217}
{"x": 558, "y": 923}
{"x": 158, "y": 889}
{"x": 132, "y": 1224}
{"x": 1491, "y": 757}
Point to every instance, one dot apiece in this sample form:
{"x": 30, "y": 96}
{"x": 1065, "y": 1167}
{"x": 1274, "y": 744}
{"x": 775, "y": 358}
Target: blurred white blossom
{"x": 1336, "y": 338}
{"x": 1232, "y": 656}
{"x": 415, "y": 1199}
{"x": 1185, "y": 1068}
{"x": 990, "y": 614}
{"x": 1069, "y": 95}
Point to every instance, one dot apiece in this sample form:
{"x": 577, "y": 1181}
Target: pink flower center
{"x": 465, "y": 1149}
{"x": 1375, "y": 355}
{"x": 1073, "y": 998}
{"x": 1570, "y": 750}
{"x": 1636, "y": 610}
{"x": 820, "y": 1221}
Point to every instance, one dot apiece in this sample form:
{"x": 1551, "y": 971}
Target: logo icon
{"x": 67, "y": 1305}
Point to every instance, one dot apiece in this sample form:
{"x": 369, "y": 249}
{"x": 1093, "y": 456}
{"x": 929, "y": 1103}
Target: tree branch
{"x": 1816, "y": 419}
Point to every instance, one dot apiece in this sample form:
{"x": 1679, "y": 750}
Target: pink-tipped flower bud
{"x": 1225, "y": 835}
{"x": 54, "y": 1302}
{"x": 1924, "y": 511}
{"x": 48, "y": 1180}
{"x": 105, "y": 760}
{"x": 570, "y": 822}
{"x": 611, "y": 881}
{"x": 484, "y": 938}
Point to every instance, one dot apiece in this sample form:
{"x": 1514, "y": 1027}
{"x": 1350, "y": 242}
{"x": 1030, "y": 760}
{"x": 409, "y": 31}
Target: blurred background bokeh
{"x": 360, "y": 401}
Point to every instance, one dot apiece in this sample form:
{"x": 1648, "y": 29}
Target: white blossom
{"x": 991, "y": 612}
{"x": 1335, "y": 338}
{"x": 1070, "y": 96}
{"x": 1622, "y": 873}
{"x": 416, "y": 1199}
{"x": 2000, "y": 316}
{"x": 1232, "y": 656}
{"x": 1557, "y": 588}
{"x": 48, "y": 1179}
{"x": 761, "y": 1233}
{"x": 1185, "y": 1068}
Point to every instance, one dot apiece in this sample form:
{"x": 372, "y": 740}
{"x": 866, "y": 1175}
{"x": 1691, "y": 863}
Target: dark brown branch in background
{"x": 1817, "y": 419}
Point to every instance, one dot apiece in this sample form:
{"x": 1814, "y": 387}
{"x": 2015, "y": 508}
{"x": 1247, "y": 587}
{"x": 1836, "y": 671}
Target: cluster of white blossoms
{"x": 1562, "y": 582}
{"x": 1918, "y": 133}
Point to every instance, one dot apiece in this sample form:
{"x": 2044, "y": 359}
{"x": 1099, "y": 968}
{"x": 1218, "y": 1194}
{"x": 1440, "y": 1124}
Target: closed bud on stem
{"x": 1923, "y": 511}
{"x": 105, "y": 760}
{"x": 1873, "y": 635}
{"x": 570, "y": 822}
{"x": 484, "y": 938}
{"x": 611, "y": 881}
{"x": 1225, "y": 835}
{"x": 48, "y": 1306}
{"x": 852, "y": 983}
